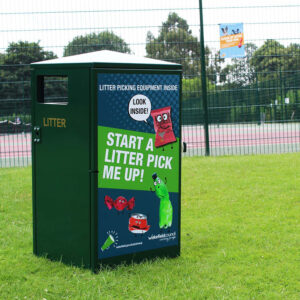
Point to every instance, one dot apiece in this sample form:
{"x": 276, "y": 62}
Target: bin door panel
{"x": 61, "y": 164}
{"x": 138, "y": 163}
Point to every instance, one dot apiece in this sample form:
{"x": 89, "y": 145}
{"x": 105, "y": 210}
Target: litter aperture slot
{"x": 52, "y": 89}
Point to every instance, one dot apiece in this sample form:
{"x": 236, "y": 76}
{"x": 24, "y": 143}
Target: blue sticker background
{"x": 115, "y": 103}
{"x": 113, "y": 221}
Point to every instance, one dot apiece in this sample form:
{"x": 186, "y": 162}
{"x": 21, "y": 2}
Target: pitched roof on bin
{"x": 105, "y": 56}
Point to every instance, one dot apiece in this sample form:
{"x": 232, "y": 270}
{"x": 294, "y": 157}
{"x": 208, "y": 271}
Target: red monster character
{"x": 120, "y": 203}
{"x": 138, "y": 223}
{"x": 163, "y": 126}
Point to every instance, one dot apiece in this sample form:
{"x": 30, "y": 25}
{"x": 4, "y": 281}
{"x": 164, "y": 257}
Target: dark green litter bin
{"x": 106, "y": 158}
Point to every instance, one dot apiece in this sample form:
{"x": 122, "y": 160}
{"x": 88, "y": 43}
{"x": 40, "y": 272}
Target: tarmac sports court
{"x": 225, "y": 139}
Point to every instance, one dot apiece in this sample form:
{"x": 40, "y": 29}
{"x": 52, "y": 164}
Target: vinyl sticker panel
{"x": 138, "y": 162}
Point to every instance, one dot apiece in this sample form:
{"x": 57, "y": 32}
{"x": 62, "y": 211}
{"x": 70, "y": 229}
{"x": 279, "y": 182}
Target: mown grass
{"x": 240, "y": 239}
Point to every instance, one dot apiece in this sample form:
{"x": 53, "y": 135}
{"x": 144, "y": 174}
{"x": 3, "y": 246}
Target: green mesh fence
{"x": 253, "y": 102}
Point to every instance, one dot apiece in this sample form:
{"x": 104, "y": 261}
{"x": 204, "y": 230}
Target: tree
{"x": 175, "y": 43}
{"x": 292, "y": 59}
{"x": 93, "y": 42}
{"x": 15, "y": 71}
{"x": 213, "y": 68}
{"x": 272, "y": 60}
{"x": 268, "y": 60}
{"x": 240, "y": 72}
{"x": 1, "y": 58}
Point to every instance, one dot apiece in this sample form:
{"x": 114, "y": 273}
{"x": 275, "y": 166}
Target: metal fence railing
{"x": 252, "y": 103}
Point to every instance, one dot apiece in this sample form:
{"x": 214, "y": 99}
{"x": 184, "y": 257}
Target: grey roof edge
{"x": 106, "y": 57}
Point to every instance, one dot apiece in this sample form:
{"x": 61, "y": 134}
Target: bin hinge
{"x": 36, "y": 137}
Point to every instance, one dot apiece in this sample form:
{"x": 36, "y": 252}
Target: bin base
{"x": 171, "y": 252}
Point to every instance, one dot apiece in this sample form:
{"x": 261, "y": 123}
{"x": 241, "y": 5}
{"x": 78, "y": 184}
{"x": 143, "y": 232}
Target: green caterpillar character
{"x": 165, "y": 206}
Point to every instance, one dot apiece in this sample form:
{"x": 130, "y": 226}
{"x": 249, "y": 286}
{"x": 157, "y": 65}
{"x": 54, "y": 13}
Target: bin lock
{"x": 36, "y": 136}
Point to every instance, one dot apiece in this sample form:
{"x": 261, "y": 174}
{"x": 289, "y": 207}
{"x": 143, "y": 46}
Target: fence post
{"x": 281, "y": 96}
{"x": 203, "y": 80}
{"x": 257, "y": 109}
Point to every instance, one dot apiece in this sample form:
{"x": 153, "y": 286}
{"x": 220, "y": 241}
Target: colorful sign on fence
{"x": 232, "y": 40}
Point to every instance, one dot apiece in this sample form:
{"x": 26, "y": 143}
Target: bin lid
{"x": 106, "y": 57}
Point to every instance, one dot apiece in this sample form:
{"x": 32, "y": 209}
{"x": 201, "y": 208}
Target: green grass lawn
{"x": 240, "y": 239}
